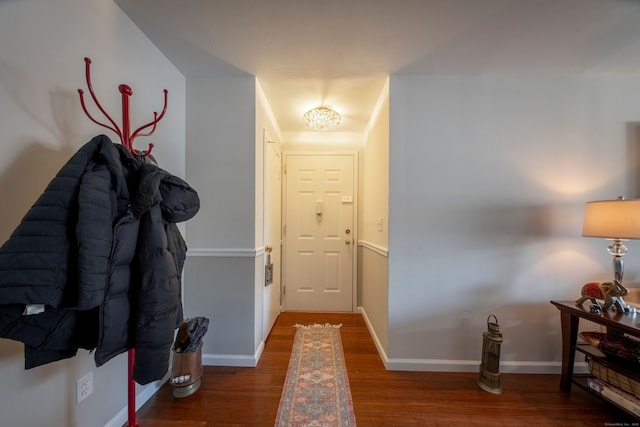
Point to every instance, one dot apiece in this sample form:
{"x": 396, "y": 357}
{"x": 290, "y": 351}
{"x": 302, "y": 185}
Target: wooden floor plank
{"x": 231, "y": 396}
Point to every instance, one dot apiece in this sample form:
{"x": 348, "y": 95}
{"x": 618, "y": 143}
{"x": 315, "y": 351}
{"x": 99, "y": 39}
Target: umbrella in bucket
{"x": 187, "y": 356}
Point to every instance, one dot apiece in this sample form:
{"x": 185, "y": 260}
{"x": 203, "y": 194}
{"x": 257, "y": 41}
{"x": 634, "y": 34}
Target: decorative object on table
{"x": 618, "y": 346}
{"x": 316, "y": 390}
{"x": 616, "y": 220}
{"x": 609, "y": 292}
{"x": 186, "y": 370}
{"x": 489, "y": 376}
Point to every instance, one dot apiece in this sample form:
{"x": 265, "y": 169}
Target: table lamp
{"x": 616, "y": 220}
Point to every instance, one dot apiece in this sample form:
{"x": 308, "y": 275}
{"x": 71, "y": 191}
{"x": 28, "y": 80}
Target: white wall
{"x": 42, "y": 46}
{"x": 488, "y": 179}
{"x": 221, "y": 160}
{"x": 223, "y": 262}
{"x": 373, "y": 281}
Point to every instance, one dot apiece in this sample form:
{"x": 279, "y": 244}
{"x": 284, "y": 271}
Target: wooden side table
{"x": 570, "y": 315}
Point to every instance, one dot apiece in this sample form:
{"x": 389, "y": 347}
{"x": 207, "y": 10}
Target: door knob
{"x": 347, "y": 241}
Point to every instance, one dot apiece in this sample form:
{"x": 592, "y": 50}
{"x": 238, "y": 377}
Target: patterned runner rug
{"x": 316, "y": 390}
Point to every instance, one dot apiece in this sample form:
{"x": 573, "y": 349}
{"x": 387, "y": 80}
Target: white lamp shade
{"x": 612, "y": 219}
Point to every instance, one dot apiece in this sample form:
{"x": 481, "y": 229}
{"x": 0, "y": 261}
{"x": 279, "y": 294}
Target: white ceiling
{"x": 338, "y": 52}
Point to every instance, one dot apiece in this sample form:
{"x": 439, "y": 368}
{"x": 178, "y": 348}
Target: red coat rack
{"x": 126, "y": 138}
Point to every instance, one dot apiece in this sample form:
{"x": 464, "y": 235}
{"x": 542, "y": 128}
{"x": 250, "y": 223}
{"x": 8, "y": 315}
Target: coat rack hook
{"x": 153, "y": 123}
{"x": 113, "y": 128}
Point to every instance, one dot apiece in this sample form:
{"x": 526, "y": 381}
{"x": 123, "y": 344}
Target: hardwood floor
{"x": 250, "y": 396}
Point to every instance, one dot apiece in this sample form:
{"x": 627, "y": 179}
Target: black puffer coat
{"x": 101, "y": 251}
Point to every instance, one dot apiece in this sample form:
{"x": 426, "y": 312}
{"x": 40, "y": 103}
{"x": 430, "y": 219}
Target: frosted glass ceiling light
{"x": 321, "y": 118}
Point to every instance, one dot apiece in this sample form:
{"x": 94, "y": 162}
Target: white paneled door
{"x": 319, "y": 232}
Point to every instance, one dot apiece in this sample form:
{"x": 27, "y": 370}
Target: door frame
{"x": 270, "y": 144}
{"x": 354, "y": 154}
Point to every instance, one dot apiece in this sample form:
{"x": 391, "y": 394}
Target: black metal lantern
{"x": 489, "y": 377}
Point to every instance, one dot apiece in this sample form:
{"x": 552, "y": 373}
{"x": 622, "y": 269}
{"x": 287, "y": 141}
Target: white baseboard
{"x": 239, "y": 360}
{"x": 376, "y": 340}
{"x": 122, "y": 416}
{"x": 443, "y": 365}
{"x": 446, "y": 365}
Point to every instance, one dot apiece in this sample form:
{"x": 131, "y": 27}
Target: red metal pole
{"x": 131, "y": 355}
{"x": 131, "y": 402}
{"x": 126, "y": 122}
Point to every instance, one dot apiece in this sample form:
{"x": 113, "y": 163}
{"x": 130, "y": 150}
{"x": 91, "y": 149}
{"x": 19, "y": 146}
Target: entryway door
{"x": 319, "y": 232}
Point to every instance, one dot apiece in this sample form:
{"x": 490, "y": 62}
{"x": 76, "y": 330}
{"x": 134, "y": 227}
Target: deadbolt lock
{"x": 348, "y": 231}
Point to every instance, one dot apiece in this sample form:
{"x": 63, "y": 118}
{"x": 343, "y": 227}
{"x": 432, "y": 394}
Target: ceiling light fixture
{"x": 321, "y": 118}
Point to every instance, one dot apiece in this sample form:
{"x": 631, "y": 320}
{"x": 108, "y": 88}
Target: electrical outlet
{"x": 84, "y": 387}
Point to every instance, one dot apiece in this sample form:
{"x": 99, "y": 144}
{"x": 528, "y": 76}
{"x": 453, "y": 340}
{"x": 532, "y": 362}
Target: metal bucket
{"x": 186, "y": 372}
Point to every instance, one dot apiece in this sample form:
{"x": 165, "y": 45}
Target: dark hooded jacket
{"x": 101, "y": 252}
